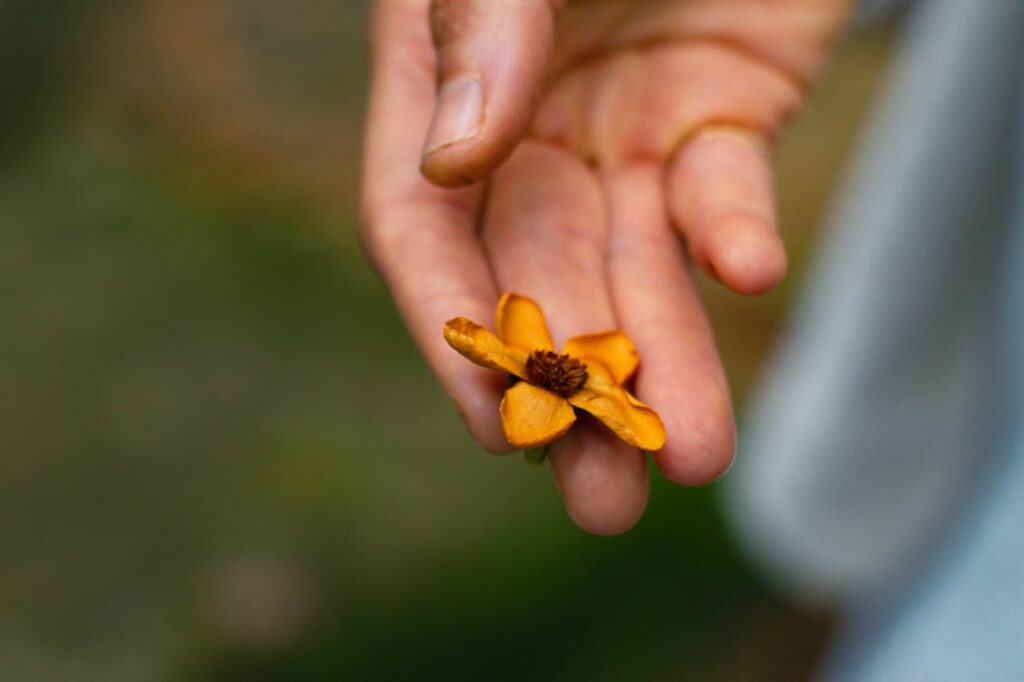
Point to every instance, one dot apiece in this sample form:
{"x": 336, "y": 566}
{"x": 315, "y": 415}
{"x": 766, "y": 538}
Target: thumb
{"x": 492, "y": 60}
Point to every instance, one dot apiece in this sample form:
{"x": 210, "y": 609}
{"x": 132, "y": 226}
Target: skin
{"x": 619, "y": 141}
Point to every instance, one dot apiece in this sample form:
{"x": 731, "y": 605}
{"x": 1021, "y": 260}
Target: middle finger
{"x": 545, "y": 234}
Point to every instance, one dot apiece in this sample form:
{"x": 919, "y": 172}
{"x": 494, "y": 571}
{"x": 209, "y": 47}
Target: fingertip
{"x": 700, "y": 448}
{"x": 697, "y": 463}
{"x": 603, "y": 481}
{"x": 472, "y": 159}
{"x": 746, "y": 254}
{"x": 721, "y": 197}
{"x": 604, "y": 523}
{"x": 608, "y": 515}
{"x": 494, "y": 444}
{"x": 455, "y": 165}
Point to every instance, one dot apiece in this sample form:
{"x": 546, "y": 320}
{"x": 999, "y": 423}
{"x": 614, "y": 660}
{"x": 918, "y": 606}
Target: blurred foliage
{"x": 221, "y": 457}
{"x": 35, "y": 56}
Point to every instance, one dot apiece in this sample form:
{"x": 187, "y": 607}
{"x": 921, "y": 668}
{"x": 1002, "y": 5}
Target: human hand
{"x": 605, "y": 129}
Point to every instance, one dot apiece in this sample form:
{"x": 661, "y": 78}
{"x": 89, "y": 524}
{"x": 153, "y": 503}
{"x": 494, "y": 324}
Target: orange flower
{"x": 587, "y": 374}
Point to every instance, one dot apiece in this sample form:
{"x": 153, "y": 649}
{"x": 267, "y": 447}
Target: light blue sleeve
{"x": 882, "y": 462}
{"x": 961, "y": 616}
{"x": 856, "y": 448}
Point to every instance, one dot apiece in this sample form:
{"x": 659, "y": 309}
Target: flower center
{"x": 559, "y": 374}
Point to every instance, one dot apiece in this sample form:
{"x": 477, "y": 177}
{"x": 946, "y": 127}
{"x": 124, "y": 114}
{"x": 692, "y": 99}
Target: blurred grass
{"x": 222, "y": 459}
{"x": 195, "y": 384}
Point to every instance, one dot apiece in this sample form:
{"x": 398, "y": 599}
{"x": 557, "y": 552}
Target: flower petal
{"x": 531, "y": 416}
{"x": 630, "y": 419}
{"x": 483, "y": 347}
{"x": 613, "y": 349}
{"x": 520, "y": 323}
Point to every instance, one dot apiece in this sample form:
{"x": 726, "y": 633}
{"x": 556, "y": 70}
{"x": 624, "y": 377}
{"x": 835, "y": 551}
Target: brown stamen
{"x": 559, "y": 374}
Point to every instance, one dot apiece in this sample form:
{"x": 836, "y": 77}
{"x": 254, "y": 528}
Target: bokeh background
{"x": 220, "y": 456}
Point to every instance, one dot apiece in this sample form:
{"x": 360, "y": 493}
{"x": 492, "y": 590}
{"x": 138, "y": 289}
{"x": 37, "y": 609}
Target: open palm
{"x": 605, "y": 131}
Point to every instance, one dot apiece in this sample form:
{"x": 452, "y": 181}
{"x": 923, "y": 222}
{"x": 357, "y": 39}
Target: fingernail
{"x": 457, "y": 114}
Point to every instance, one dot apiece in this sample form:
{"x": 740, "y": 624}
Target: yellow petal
{"x": 483, "y": 347}
{"x": 630, "y": 419}
{"x": 613, "y": 349}
{"x": 520, "y": 323}
{"x": 531, "y": 416}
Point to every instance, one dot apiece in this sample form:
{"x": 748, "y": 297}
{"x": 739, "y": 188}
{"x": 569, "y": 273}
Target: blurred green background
{"x": 220, "y": 456}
